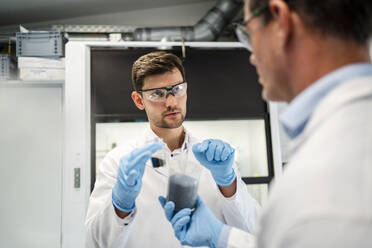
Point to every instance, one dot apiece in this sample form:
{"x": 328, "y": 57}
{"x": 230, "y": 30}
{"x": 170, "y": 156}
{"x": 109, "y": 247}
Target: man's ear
{"x": 284, "y": 23}
{"x": 137, "y": 99}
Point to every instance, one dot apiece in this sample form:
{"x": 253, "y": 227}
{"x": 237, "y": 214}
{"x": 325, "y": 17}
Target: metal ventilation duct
{"x": 207, "y": 29}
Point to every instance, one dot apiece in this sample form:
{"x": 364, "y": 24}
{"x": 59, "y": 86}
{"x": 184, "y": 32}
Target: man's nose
{"x": 252, "y": 59}
{"x": 170, "y": 100}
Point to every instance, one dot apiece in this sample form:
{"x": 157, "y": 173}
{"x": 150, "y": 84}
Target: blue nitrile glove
{"x": 198, "y": 228}
{"x": 129, "y": 179}
{"x": 218, "y": 157}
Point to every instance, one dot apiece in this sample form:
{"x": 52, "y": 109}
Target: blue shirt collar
{"x": 299, "y": 111}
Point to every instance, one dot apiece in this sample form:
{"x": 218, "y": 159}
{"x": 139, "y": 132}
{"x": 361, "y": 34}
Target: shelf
{"x": 31, "y": 84}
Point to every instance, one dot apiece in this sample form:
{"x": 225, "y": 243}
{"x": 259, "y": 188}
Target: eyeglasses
{"x": 242, "y": 33}
{"x": 161, "y": 94}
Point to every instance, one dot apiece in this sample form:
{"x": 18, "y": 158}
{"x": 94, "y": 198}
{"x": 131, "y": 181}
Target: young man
{"x": 313, "y": 54}
{"x": 124, "y": 210}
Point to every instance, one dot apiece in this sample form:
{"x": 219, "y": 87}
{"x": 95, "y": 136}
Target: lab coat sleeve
{"x": 240, "y": 210}
{"x": 103, "y": 227}
{"x": 324, "y": 232}
{"x": 240, "y": 239}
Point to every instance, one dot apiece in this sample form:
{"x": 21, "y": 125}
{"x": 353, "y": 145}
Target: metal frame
{"x": 275, "y": 138}
{"x": 77, "y": 117}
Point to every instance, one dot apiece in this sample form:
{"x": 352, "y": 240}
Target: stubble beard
{"x": 171, "y": 124}
{"x": 166, "y": 124}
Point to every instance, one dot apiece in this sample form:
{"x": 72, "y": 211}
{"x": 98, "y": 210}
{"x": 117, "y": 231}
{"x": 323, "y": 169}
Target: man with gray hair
{"x": 313, "y": 54}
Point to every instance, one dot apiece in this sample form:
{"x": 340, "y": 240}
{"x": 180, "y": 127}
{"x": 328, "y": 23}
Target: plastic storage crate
{"x": 4, "y": 67}
{"x": 40, "y": 44}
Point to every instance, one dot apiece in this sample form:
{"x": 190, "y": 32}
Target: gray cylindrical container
{"x": 182, "y": 190}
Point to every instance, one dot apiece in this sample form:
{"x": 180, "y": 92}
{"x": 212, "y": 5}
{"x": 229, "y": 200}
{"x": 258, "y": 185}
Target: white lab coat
{"x": 324, "y": 198}
{"x": 147, "y": 225}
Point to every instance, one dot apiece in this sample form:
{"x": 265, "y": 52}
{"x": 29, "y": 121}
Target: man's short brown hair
{"x": 154, "y": 63}
{"x": 346, "y": 19}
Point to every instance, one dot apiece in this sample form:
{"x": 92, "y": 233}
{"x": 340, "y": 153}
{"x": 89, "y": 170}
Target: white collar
{"x": 150, "y": 136}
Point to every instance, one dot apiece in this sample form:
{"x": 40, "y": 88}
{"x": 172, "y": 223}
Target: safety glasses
{"x": 241, "y": 31}
{"x": 161, "y": 94}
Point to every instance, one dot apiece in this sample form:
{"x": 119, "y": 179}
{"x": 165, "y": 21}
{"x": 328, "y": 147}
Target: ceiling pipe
{"x": 207, "y": 29}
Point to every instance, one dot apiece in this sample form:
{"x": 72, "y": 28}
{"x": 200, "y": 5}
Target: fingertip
{"x": 162, "y": 200}
{"x": 225, "y": 154}
{"x": 169, "y": 210}
{"x": 204, "y": 145}
{"x": 180, "y": 214}
{"x": 210, "y": 154}
{"x": 169, "y": 206}
{"x": 181, "y": 222}
{"x": 232, "y": 153}
{"x": 219, "y": 152}
{"x": 184, "y": 211}
{"x": 231, "y": 148}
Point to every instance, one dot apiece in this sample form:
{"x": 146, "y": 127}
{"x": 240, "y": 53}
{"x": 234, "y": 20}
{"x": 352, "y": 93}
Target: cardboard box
{"x": 33, "y": 74}
{"x": 37, "y": 62}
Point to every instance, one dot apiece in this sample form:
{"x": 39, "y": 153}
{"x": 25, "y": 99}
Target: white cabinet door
{"x": 31, "y": 166}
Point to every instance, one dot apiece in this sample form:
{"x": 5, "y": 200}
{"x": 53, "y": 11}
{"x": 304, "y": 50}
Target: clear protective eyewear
{"x": 241, "y": 31}
{"x": 161, "y": 94}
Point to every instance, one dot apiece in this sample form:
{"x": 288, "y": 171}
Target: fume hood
{"x": 224, "y": 101}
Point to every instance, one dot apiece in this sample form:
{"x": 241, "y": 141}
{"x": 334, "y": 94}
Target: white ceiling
{"x": 14, "y": 12}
